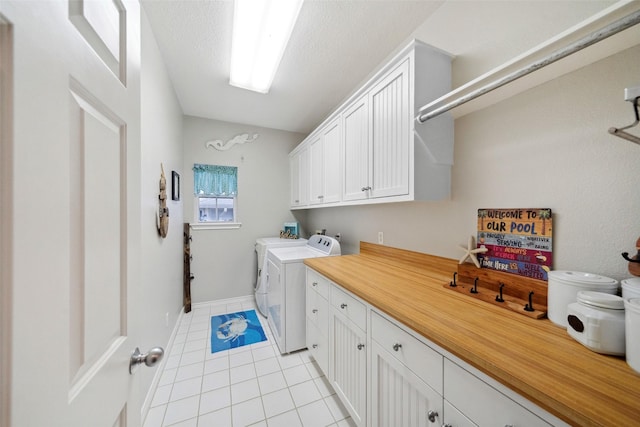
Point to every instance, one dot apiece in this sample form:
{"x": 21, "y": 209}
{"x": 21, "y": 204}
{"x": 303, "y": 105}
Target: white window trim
{"x": 215, "y": 225}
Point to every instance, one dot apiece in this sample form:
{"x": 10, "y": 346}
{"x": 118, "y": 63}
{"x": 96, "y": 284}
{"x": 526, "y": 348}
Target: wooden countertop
{"x": 535, "y": 358}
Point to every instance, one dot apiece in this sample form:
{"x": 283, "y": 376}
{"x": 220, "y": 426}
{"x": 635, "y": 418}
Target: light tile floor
{"x": 252, "y": 385}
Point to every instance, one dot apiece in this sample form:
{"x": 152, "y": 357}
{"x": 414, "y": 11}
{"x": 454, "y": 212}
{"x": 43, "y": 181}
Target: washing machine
{"x": 286, "y": 277}
{"x": 262, "y": 244}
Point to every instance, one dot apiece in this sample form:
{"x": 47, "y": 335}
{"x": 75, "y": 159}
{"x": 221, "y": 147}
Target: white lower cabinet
{"x": 406, "y": 378}
{"x": 387, "y": 375}
{"x": 317, "y": 318}
{"x": 348, "y": 353}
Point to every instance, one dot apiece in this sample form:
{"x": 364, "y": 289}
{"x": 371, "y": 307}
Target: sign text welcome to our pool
{"x": 519, "y": 241}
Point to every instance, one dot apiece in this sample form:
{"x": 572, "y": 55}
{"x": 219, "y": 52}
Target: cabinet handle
{"x": 315, "y": 310}
{"x": 315, "y": 346}
{"x": 397, "y": 346}
{"x": 447, "y": 425}
{"x": 297, "y": 201}
{"x": 366, "y": 188}
{"x": 432, "y": 415}
{"x": 343, "y": 306}
{"x": 320, "y": 197}
{"x": 360, "y": 346}
{"x": 314, "y": 284}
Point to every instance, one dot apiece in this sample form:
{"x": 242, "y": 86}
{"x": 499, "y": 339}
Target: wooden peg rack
{"x": 515, "y": 291}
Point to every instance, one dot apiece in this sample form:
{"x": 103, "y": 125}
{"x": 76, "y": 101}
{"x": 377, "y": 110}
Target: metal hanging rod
{"x": 599, "y": 35}
{"x": 632, "y": 95}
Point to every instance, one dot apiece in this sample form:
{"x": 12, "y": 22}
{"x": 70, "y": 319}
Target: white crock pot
{"x": 632, "y": 325}
{"x": 631, "y": 288}
{"x": 563, "y": 288}
{"x": 596, "y": 320}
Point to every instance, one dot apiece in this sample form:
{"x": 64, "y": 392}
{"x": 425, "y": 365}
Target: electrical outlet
{"x": 380, "y": 238}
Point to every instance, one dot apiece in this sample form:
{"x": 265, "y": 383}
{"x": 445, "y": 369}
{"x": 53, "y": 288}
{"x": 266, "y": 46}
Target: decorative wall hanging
{"x": 519, "y": 241}
{"x": 238, "y": 139}
{"x": 162, "y": 217}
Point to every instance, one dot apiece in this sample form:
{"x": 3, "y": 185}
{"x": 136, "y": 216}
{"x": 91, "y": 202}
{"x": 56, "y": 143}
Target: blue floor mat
{"x": 235, "y": 330}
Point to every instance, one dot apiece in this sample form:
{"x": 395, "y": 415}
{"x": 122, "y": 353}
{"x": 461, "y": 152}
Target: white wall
{"x": 545, "y": 148}
{"x": 161, "y": 269}
{"x": 224, "y": 263}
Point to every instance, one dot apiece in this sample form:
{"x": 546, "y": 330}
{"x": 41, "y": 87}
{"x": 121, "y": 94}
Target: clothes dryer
{"x": 286, "y": 275}
{"x": 262, "y": 244}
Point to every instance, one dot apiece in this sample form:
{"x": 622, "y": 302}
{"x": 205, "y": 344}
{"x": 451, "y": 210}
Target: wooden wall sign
{"x": 519, "y": 241}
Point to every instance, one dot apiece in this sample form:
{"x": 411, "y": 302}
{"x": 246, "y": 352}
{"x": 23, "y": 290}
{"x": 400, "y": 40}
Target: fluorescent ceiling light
{"x": 261, "y": 31}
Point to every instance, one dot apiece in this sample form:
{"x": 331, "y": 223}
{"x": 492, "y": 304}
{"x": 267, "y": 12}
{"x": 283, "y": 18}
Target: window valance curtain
{"x": 213, "y": 180}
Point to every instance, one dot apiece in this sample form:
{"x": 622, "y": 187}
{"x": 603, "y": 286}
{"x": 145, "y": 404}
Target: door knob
{"x": 152, "y": 357}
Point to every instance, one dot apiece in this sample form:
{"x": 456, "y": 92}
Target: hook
{"x": 529, "y": 307}
{"x": 625, "y": 255}
{"x": 453, "y": 283}
{"x": 474, "y": 290}
{"x": 499, "y": 297}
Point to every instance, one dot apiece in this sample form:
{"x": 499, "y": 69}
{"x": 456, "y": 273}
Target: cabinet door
{"x": 348, "y": 365}
{"x": 356, "y": 150}
{"x": 316, "y": 171}
{"x": 303, "y": 181}
{"x": 390, "y": 125}
{"x": 399, "y": 398}
{"x": 294, "y": 176}
{"x": 332, "y": 148}
{"x": 318, "y": 346}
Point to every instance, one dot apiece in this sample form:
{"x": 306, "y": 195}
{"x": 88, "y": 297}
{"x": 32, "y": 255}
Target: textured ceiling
{"x": 334, "y": 46}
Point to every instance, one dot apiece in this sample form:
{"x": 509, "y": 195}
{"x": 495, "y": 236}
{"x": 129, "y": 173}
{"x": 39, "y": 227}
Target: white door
{"x": 74, "y": 211}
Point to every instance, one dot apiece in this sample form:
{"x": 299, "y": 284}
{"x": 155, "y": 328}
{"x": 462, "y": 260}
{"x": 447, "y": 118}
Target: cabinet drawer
{"x": 349, "y": 306}
{"x": 483, "y": 404}
{"x": 318, "y": 282}
{"x": 454, "y": 418}
{"x": 425, "y": 362}
{"x": 317, "y": 310}
{"x": 318, "y": 346}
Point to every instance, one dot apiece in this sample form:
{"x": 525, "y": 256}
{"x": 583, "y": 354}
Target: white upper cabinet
{"x": 390, "y": 137}
{"x": 332, "y": 151}
{"x": 316, "y": 171}
{"x": 299, "y": 167}
{"x": 380, "y": 153}
{"x": 356, "y": 150}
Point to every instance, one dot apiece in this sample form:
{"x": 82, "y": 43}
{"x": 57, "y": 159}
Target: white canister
{"x": 632, "y": 325}
{"x": 631, "y": 288}
{"x": 597, "y": 321}
{"x": 563, "y": 288}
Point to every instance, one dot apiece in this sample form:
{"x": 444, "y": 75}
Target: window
{"x": 215, "y": 191}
